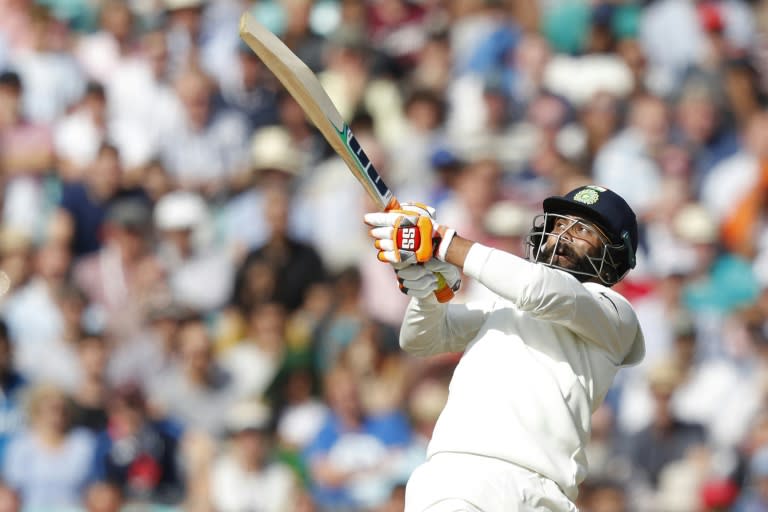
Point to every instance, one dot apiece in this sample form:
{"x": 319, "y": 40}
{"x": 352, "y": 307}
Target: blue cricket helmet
{"x": 610, "y": 212}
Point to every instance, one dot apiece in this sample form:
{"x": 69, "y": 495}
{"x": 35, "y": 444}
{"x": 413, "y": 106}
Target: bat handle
{"x": 444, "y": 293}
{"x": 394, "y": 204}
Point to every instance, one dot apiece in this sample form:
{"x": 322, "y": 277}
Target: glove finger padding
{"x": 382, "y": 233}
{"x": 419, "y": 208}
{"x": 417, "y": 281}
{"x": 450, "y": 274}
{"x": 411, "y": 235}
{"x": 390, "y": 218}
{"x": 412, "y": 272}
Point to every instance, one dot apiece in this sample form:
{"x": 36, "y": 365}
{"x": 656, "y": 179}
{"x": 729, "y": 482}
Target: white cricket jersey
{"x": 537, "y": 362}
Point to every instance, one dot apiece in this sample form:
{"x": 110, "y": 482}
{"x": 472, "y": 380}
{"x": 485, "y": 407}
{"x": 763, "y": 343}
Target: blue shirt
{"x": 356, "y": 450}
{"x": 46, "y": 477}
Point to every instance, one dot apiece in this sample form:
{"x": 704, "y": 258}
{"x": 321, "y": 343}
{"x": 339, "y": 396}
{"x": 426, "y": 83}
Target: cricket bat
{"x": 305, "y": 88}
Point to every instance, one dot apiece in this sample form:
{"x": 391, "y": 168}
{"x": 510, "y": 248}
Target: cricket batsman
{"x": 538, "y": 359}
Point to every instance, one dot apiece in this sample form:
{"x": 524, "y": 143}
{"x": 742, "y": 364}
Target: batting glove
{"x": 421, "y": 281}
{"x": 408, "y": 235}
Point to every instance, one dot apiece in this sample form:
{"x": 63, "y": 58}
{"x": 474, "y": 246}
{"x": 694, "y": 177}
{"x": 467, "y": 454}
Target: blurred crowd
{"x": 193, "y": 317}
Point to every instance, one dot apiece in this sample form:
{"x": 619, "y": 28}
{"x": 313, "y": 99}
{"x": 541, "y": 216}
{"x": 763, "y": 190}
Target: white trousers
{"x": 456, "y": 482}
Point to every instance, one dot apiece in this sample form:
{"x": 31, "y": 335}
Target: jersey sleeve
{"x": 593, "y": 312}
{"x": 430, "y": 327}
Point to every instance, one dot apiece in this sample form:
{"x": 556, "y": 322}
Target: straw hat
{"x": 273, "y": 149}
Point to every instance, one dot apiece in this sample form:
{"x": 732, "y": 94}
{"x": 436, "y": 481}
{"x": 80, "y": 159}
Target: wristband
{"x": 445, "y": 241}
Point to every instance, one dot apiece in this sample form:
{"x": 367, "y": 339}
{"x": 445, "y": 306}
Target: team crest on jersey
{"x": 589, "y": 195}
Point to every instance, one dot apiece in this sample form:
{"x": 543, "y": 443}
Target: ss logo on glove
{"x": 408, "y": 238}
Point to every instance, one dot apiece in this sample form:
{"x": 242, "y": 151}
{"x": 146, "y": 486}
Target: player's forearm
{"x": 540, "y": 290}
{"x": 458, "y": 250}
{"x": 430, "y": 327}
{"x": 422, "y": 327}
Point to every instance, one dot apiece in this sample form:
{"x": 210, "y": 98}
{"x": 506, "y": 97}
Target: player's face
{"x": 569, "y": 243}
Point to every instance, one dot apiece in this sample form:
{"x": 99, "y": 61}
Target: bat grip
{"x": 444, "y": 293}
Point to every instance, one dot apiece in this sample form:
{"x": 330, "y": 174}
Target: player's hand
{"x": 434, "y": 276}
{"x": 408, "y": 235}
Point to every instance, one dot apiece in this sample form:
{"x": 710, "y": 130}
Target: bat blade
{"x": 305, "y": 88}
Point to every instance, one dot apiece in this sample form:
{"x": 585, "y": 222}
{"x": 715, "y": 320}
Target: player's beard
{"x": 574, "y": 261}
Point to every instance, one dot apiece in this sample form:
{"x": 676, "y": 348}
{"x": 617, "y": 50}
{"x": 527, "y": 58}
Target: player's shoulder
{"x": 626, "y": 317}
{"x": 604, "y": 293}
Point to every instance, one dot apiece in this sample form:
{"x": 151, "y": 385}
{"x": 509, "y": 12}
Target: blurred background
{"x": 194, "y": 319}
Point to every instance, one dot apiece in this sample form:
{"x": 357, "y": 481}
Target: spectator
{"x": 396, "y": 501}
{"x": 601, "y": 119}
{"x": 603, "y": 496}
{"x": 91, "y": 394}
{"x": 432, "y": 69}
{"x": 12, "y": 387}
{"x": 15, "y": 259}
{"x": 348, "y": 458}
{"x": 43, "y": 316}
{"x": 628, "y": 162}
{"x": 347, "y": 319}
{"x": 142, "y": 103}
{"x": 206, "y": 149}
{"x": 699, "y": 126}
{"x": 409, "y": 171}
{"x": 122, "y": 276}
{"x": 741, "y": 229}
{"x": 756, "y": 497}
{"x": 197, "y": 392}
{"x": 425, "y": 401}
{"x": 100, "y": 52}
{"x": 735, "y": 176}
{"x": 605, "y": 453}
{"x": 295, "y": 265}
{"x": 52, "y": 79}
{"x": 255, "y": 360}
{"x": 300, "y": 415}
{"x": 666, "y": 439}
{"x": 275, "y": 164}
{"x": 184, "y": 29}
{"x": 103, "y": 497}
{"x": 85, "y": 203}
{"x": 136, "y": 454}
{"x": 247, "y": 89}
{"x": 382, "y": 369}
{"x": 199, "y": 275}
{"x": 79, "y": 136}
{"x": 719, "y": 495}
{"x": 47, "y": 462}
{"x": 27, "y": 149}
{"x": 245, "y": 477}
{"x": 153, "y": 349}
{"x": 9, "y": 499}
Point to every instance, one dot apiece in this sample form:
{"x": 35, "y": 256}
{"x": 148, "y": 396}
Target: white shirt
{"x": 625, "y": 166}
{"x": 76, "y": 137}
{"x": 236, "y": 490}
{"x": 252, "y": 369}
{"x": 728, "y": 183}
{"x": 52, "y": 83}
{"x": 537, "y": 363}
